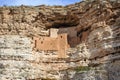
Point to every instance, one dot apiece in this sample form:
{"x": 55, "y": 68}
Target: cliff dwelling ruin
{"x": 80, "y": 41}
{"x": 59, "y": 39}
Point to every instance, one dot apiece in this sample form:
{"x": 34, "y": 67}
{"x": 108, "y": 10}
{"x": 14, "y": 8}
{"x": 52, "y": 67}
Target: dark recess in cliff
{"x": 59, "y": 20}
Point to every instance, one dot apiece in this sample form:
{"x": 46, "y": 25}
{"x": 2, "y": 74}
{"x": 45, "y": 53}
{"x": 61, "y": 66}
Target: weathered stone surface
{"x": 92, "y": 30}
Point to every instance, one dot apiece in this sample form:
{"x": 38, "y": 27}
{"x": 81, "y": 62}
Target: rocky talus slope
{"x": 93, "y": 53}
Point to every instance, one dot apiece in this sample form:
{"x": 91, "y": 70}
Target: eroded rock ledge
{"x": 75, "y": 42}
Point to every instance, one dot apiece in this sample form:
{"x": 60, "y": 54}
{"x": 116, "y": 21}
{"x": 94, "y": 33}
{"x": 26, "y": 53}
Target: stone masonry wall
{"x": 93, "y": 28}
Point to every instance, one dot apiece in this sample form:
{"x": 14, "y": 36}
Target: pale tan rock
{"x": 83, "y": 34}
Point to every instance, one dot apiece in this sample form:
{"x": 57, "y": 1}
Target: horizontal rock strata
{"x": 90, "y": 49}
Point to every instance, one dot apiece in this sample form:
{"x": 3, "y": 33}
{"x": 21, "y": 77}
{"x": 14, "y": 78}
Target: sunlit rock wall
{"x": 94, "y": 53}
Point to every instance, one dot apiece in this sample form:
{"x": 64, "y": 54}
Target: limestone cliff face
{"x": 87, "y": 35}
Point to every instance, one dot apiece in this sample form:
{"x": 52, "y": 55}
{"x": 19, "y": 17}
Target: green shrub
{"x": 82, "y": 68}
{"x": 47, "y": 79}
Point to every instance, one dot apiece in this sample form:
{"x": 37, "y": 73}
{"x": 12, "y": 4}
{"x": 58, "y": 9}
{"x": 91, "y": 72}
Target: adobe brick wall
{"x": 59, "y": 44}
{"x": 63, "y": 45}
{"x": 73, "y": 40}
{"x": 54, "y": 32}
{"x": 71, "y": 31}
{"x": 46, "y": 43}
